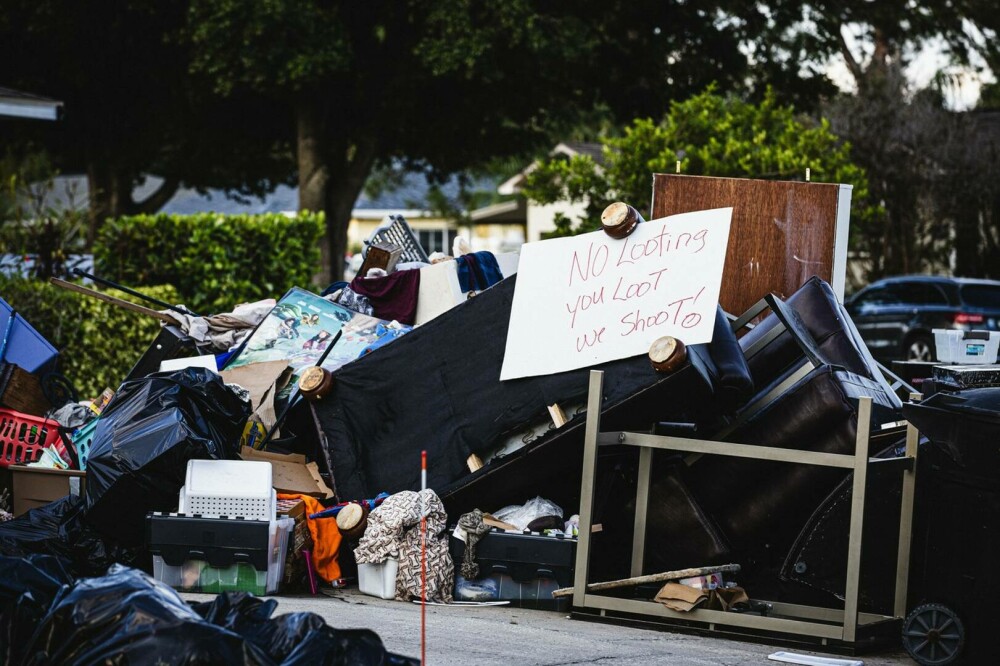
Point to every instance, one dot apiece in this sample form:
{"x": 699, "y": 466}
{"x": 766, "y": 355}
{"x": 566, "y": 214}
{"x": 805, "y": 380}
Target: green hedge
{"x": 98, "y": 343}
{"x": 214, "y": 261}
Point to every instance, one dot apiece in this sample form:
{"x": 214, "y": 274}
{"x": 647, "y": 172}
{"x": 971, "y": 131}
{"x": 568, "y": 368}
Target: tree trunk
{"x": 104, "y": 195}
{"x": 312, "y": 161}
{"x": 331, "y": 176}
{"x": 110, "y": 196}
{"x": 341, "y": 197}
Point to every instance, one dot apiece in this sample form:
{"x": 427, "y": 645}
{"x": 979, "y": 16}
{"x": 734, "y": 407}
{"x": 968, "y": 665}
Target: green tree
{"x": 131, "y": 108}
{"x": 799, "y": 38}
{"x": 445, "y": 85}
{"x": 709, "y": 134}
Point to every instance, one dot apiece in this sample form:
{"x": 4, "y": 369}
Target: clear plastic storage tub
{"x": 196, "y": 575}
{"x": 966, "y": 347}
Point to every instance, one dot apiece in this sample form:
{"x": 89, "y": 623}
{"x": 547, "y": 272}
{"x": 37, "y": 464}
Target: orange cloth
{"x": 325, "y": 536}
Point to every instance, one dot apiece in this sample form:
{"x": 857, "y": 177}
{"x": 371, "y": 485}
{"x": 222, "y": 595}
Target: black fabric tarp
{"x": 438, "y": 388}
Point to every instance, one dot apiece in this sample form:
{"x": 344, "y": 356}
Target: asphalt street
{"x": 504, "y": 636}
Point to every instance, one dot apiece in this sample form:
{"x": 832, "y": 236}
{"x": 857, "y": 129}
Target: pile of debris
{"x": 364, "y": 436}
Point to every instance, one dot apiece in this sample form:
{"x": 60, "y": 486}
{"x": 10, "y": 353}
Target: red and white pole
{"x": 423, "y": 560}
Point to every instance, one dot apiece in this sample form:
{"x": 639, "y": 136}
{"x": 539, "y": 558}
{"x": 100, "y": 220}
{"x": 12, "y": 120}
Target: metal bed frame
{"x": 827, "y": 626}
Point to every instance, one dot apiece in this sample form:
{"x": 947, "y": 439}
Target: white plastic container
{"x": 231, "y": 488}
{"x": 966, "y": 347}
{"x": 378, "y": 580}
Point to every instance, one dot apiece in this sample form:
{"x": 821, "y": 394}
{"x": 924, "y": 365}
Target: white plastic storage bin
{"x": 379, "y": 580}
{"x": 972, "y": 347}
{"x": 231, "y": 488}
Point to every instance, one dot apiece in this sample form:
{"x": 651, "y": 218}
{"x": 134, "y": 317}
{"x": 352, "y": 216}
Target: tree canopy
{"x": 131, "y": 106}
{"x": 709, "y": 134}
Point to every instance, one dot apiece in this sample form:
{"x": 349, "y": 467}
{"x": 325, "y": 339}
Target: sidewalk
{"x": 505, "y": 636}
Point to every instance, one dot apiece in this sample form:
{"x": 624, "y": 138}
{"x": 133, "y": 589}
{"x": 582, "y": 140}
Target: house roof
{"x": 567, "y": 149}
{"x": 408, "y": 197}
{"x": 18, "y": 104}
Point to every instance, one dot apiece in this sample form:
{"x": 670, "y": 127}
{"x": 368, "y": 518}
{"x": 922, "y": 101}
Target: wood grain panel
{"x": 782, "y": 232}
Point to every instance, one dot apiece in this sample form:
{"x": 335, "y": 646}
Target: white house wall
{"x": 541, "y": 219}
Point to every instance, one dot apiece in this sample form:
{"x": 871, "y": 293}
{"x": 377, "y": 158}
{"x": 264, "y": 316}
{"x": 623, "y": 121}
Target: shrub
{"x": 98, "y": 342}
{"x": 214, "y": 261}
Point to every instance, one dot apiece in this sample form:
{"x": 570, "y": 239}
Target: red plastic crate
{"x": 23, "y": 437}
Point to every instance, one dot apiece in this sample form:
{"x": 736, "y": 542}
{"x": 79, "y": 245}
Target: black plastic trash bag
{"x": 296, "y": 639}
{"x": 27, "y": 587}
{"x": 126, "y": 617}
{"x": 58, "y": 529}
{"x": 145, "y": 438}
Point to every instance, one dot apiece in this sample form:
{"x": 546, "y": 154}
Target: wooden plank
{"x": 651, "y": 578}
{"x": 782, "y": 232}
{"x": 125, "y": 305}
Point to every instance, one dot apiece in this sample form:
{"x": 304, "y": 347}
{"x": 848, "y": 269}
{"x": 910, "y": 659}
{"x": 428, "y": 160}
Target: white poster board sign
{"x": 589, "y": 299}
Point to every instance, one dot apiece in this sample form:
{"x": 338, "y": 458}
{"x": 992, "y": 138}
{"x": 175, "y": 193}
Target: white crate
{"x": 378, "y": 580}
{"x": 956, "y": 346}
{"x": 231, "y": 488}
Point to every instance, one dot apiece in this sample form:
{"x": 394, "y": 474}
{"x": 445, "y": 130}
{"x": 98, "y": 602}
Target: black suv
{"x": 896, "y": 315}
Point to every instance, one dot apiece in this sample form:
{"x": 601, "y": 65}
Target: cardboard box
{"x": 291, "y": 473}
{"x": 36, "y": 486}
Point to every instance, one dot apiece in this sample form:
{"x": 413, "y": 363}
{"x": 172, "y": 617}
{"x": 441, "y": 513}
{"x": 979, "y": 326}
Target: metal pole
{"x": 133, "y": 292}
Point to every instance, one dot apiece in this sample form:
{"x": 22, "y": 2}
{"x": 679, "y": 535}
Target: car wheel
{"x": 920, "y": 348}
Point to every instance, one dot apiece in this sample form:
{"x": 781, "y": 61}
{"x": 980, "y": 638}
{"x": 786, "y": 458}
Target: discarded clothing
{"x": 474, "y": 527}
{"x": 71, "y": 416}
{"x": 394, "y": 531}
{"x": 325, "y": 536}
{"x": 478, "y": 271}
{"x": 393, "y": 296}
{"x": 354, "y": 301}
{"x": 384, "y": 334}
{"x": 224, "y": 331}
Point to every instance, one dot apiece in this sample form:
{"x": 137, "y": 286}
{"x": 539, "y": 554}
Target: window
{"x": 877, "y": 296}
{"x": 436, "y": 240}
{"x": 920, "y": 293}
{"x": 981, "y": 295}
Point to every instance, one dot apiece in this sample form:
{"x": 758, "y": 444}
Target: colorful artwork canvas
{"x": 301, "y": 327}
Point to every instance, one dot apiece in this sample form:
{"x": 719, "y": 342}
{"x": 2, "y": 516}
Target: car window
{"x": 920, "y": 293}
{"x": 981, "y": 295}
{"x": 877, "y": 296}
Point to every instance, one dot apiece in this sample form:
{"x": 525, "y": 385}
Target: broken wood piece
{"x": 490, "y": 521}
{"x": 666, "y": 354}
{"x": 558, "y": 416}
{"x": 619, "y": 220}
{"x": 125, "y": 305}
{"x": 652, "y": 578}
{"x": 474, "y": 462}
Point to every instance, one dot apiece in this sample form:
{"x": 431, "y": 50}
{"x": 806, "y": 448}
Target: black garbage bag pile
{"x": 127, "y": 617}
{"x": 137, "y": 464}
{"x": 145, "y": 438}
{"x": 58, "y": 528}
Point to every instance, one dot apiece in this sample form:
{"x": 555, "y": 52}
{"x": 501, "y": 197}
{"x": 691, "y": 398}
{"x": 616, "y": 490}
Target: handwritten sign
{"x": 589, "y": 299}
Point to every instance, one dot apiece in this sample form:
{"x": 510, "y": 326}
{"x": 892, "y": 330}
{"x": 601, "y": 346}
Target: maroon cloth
{"x": 393, "y": 296}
